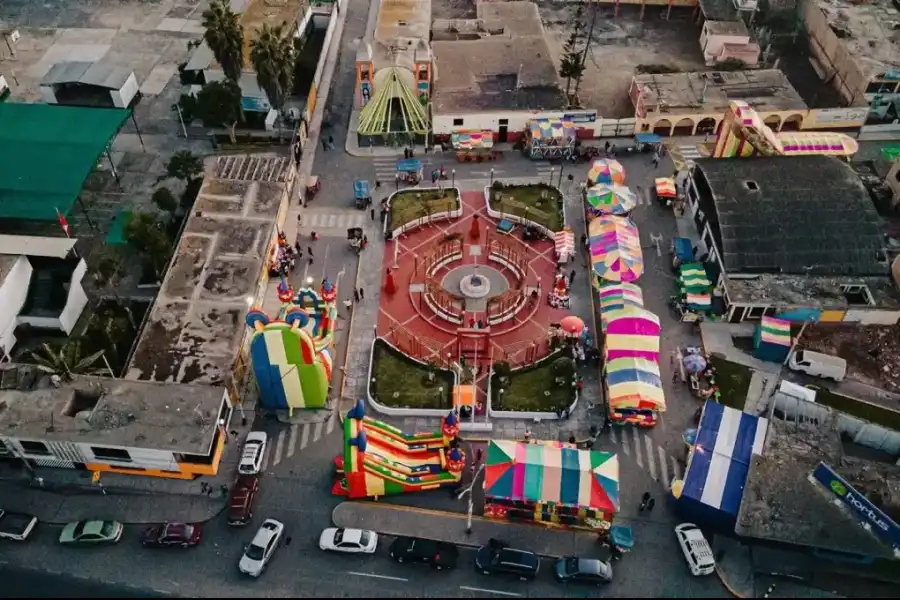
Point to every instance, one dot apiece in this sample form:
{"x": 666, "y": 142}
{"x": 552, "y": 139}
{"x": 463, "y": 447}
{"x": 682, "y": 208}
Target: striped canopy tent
{"x": 634, "y": 383}
{"x": 551, "y": 472}
{"x": 695, "y": 286}
{"x": 381, "y": 115}
{"x": 472, "y": 140}
{"x": 632, "y": 333}
{"x": 615, "y": 247}
{"x": 607, "y": 171}
{"x": 616, "y": 296}
{"x": 608, "y": 199}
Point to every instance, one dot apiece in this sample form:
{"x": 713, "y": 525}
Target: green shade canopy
{"x": 46, "y": 153}
{"x": 375, "y": 117}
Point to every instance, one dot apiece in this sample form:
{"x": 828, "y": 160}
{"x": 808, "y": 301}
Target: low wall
{"x": 516, "y": 414}
{"x": 439, "y": 310}
{"x": 401, "y": 412}
{"x": 496, "y": 214}
{"x": 441, "y": 216}
{"x": 510, "y": 312}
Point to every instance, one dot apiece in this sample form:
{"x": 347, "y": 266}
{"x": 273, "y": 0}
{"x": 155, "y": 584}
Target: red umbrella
{"x": 572, "y": 325}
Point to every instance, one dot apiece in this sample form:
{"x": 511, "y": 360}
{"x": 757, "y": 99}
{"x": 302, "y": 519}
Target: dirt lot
{"x": 872, "y": 352}
{"x": 621, "y": 44}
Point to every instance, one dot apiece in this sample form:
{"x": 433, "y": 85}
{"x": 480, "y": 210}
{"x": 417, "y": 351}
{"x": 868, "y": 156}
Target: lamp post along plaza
{"x": 468, "y": 492}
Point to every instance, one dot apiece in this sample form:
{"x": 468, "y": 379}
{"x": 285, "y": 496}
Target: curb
{"x": 207, "y": 519}
{"x": 352, "y": 319}
{"x": 728, "y": 587}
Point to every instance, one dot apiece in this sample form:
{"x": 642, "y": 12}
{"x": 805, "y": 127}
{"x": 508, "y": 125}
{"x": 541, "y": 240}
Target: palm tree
{"x": 225, "y": 37}
{"x": 272, "y": 55}
{"x": 65, "y": 359}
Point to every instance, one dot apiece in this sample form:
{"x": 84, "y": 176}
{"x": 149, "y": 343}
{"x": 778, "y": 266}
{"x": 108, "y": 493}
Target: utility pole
{"x": 468, "y": 492}
{"x": 590, "y": 36}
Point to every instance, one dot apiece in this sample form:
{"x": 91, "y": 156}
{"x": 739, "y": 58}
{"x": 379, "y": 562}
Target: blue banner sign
{"x": 868, "y": 513}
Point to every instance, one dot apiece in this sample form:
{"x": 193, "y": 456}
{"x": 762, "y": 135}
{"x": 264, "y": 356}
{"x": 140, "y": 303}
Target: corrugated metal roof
{"x": 17, "y": 245}
{"x": 201, "y": 59}
{"x": 102, "y": 75}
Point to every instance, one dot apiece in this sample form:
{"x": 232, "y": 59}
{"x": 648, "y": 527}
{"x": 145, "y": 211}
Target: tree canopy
{"x": 225, "y": 37}
{"x": 272, "y": 55}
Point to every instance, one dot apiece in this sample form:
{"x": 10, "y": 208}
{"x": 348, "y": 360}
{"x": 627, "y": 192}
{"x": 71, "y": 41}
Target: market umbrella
{"x": 694, "y": 363}
{"x": 572, "y": 325}
{"x": 608, "y": 199}
{"x": 606, "y": 170}
{"x": 615, "y": 248}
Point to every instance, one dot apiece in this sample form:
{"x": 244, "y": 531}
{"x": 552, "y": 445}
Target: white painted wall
{"x": 122, "y": 97}
{"x": 143, "y": 458}
{"x": 443, "y": 123}
{"x": 713, "y": 45}
{"x": 75, "y": 303}
{"x": 868, "y": 316}
{"x": 13, "y": 292}
{"x": 48, "y": 95}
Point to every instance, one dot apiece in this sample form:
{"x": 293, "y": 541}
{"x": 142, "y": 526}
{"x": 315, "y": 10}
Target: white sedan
{"x": 258, "y": 553}
{"x": 357, "y": 541}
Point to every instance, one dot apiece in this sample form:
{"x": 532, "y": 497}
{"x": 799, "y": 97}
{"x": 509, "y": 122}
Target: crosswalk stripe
{"x": 625, "y": 448}
{"x": 676, "y": 470}
{"x": 332, "y": 421}
{"x": 279, "y": 448}
{"x": 637, "y": 448}
{"x": 612, "y": 436}
{"x": 651, "y": 460}
{"x": 332, "y": 220}
{"x": 689, "y": 151}
{"x": 304, "y": 438}
{"x": 292, "y": 441}
{"x": 663, "y": 465}
{"x": 317, "y": 432}
{"x": 265, "y": 460}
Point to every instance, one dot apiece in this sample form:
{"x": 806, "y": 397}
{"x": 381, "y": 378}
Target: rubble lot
{"x": 620, "y": 44}
{"x": 872, "y": 352}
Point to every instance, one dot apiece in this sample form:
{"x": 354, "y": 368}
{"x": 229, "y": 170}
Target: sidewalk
{"x": 734, "y": 566}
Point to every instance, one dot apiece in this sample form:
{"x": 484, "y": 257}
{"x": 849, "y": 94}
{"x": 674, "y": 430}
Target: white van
{"x": 696, "y": 549}
{"x": 818, "y": 364}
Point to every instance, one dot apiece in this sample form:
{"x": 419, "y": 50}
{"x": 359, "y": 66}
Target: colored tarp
{"x": 606, "y": 171}
{"x": 543, "y": 130}
{"x": 634, "y": 383}
{"x": 772, "y": 340}
{"x": 615, "y": 248}
{"x": 547, "y": 472}
{"x": 665, "y": 187}
{"x": 610, "y": 199}
{"x": 472, "y": 140}
{"x": 617, "y": 296}
{"x": 719, "y": 463}
{"x": 632, "y": 333}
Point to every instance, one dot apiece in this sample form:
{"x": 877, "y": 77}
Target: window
{"x": 755, "y": 312}
{"x": 457, "y": 122}
{"x": 401, "y": 23}
{"x": 752, "y": 186}
{"x": 504, "y": 121}
{"x": 35, "y": 448}
{"x": 116, "y": 454}
{"x": 881, "y": 87}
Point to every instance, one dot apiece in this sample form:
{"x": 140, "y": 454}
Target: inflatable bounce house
{"x": 292, "y": 355}
{"x": 381, "y": 460}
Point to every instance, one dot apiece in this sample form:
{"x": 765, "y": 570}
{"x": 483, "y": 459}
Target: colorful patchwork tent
{"x": 551, "y": 129}
{"x": 634, "y": 383}
{"x": 666, "y": 188}
{"x": 616, "y": 296}
{"x": 695, "y": 286}
{"x": 608, "y": 199}
{"x": 632, "y": 333}
{"x": 615, "y": 247}
{"x": 551, "y": 482}
{"x": 772, "y": 340}
{"x": 608, "y": 171}
{"x": 472, "y": 140}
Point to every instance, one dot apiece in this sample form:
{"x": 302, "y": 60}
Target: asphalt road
{"x": 23, "y": 583}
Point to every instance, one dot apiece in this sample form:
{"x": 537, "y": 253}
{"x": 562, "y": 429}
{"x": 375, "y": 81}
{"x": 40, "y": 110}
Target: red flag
{"x": 62, "y": 222}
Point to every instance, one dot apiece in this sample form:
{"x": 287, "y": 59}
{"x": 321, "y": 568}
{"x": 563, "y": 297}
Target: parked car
{"x": 259, "y": 551}
{"x": 495, "y": 558}
{"x": 16, "y": 526}
{"x": 696, "y": 549}
{"x": 241, "y": 498}
{"x": 91, "y": 532}
{"x": 252, "y": 453}
{"x": 168, "y": 535}
{"x": 356, "y": 541}
{"x": 583, "y": 569}
{"x": 818, "y": 364}
{"x": 439, "y": 555}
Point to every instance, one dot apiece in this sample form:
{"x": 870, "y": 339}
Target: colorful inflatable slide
{"x": 745, "y": 134}
{"x": 292, "y": 355}
{"x": 380, "y": 460}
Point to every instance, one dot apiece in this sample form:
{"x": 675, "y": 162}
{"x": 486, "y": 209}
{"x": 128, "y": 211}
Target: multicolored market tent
{"x": 634, "y": 383}
{"x": 549, "y": 472}
{"x": 772, "y": 339}
{"x": 472, "y": 140}
{"x": 632, "y": 333}
{"x": 610, "y": 199}
{"x": 695, "y": 286}
{"x": 665, "y": 187}
{"x": 608, "y": 171}
{"x": 615, "y": 297}
{"x": 615, "y": 248}
{"x": 551, "y": 129}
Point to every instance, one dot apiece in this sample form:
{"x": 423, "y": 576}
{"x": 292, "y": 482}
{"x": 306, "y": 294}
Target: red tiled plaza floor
{"x": 408, "y": 322}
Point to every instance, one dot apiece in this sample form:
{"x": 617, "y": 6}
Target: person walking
{"x": 372, "y": 213}
{"x": 645, "y": 500}
{"x": 324, "y": 144}
{"x": 348, "y": 304}
{"x": 571, "y": 277}
{"x": 650, "y": 504}
{"x": 330, "y": 143}
{"x": 356, "y": 295}
{"x": 656, "y": 160}
{"x": 309, "y": 251}
{"x": 362, "y": 294}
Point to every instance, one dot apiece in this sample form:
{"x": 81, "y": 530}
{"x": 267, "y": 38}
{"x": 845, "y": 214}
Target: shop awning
{"x": 615, "y": 247}
{"x": 472, "y": 140}
{"x": 564, "y": 243}
{"x": 695, "y": 286}
{"x": 610, "y": 199}
{"x": 632, "y": 333}
{"x": 606, "y": 170}
{"x": 545, "y": 130}
{"x": 616, "y": 296}
{"x": 634, "y": 383}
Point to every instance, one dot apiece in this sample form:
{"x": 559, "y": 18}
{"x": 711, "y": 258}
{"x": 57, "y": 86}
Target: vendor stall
{"x": 615, "y": 249}
{"x": 772, "y": 340}
{"x": 665, "y": 189}
{"x": 474, "y": 146}
{"x": 616, "y": 296}
{"x": 564, "y": 242}
{"x": 558, "y": 297}
{"x": 634, "y": 391}
{"x": 632, "y": 333}
{"x": 608, "y": 171}
{"x": 549, "y": 138}
{"x": 696, "y": 288}
{"x": 551, "y": 483}
{"x": 609, "y": 199}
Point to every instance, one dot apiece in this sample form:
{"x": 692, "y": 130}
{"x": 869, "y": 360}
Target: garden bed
{"x": 733, "y": 381}
{"x": 534, "y": 389}
{"x": 412, "y": 204}
{"x": 401, "y": 382}
{"x": 537, "y": 202}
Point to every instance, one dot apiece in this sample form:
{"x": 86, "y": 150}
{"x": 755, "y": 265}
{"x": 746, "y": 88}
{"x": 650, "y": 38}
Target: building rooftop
{"x": 400, "y": 21}
{"x": 781, "y": 504}
{"x": 727, "y": 28}
{"x": 804, "y": 215}
{"x": 99, "y": 74}
{"x": 868, "y": 31}
{"x": 115, "y": 412}
{"x": 719, "y": 10}
{"x": 498, "y": 61}
{"x": 766, "y": 90}
{"x": 271, "y": 12}
{"x": 196, "y": 325}
{"x": 807, "y": 290}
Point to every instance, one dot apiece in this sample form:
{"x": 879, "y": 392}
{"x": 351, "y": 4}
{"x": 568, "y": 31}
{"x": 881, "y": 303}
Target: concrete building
{"x": 696, "y": 103}
{"x": 793, "y": 237}
{"x": 89, "y": 84}
{"x": 728, "y": 40}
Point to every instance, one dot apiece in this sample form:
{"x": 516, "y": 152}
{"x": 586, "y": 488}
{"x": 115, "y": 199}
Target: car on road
{"x": 496, "y": 559}
{"x": 16, "y": 526}
{"x": 439, "y": 555}
{"x": 91, "y": 532}
{"x": 696, "y": 549}
{"x": 354, "y": 541}
{"x": 583, "y": 570}
{"x": 172, "y": 535}
{"x": 259, "y": 551}
{"x": 241, "y": 498}
{"x": 253, "y": 452}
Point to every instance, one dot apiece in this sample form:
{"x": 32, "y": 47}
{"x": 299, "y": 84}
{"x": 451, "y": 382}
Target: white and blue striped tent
{"x": 717, "y": 472}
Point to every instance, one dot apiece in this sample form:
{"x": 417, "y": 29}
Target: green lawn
{"x": 525, "y": 391}
{"x": 401, "y": 382}
{"x": 733, "y": 381}
{"x": 527, "y": 201}
{"x": 409, "y": 205}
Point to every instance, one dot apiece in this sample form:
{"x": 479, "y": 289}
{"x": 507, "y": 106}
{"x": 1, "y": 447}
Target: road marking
{"x": 637, "y": 448}
{"x": 304, "y": 439}
{"x": 651, "y": 462}
{"x": 657, "y": 238}
{"x": 331, "y": 422}
{"x": 292, "y": 441}
{"x": 487, "y": 591}
{"x": 676, "y": 470}
{"x": 377, "y": 576}
{"x": 625, "y": 447}
{"x": 265, "y": 460}
{"x": 663, "y": 466}
{"x": 612, "y": 435}
{"x": 279, "y": 448}
{"x": 317, "y": 432}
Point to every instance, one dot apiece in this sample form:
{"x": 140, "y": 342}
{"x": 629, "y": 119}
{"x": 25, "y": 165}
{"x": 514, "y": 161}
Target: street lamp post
{"x": 452, "y": 177}
{"x": 552, "y": 170}
{"x": 468, "y": 492}
{"x": 562, "y": 167}
{"x": 492, "y": 176}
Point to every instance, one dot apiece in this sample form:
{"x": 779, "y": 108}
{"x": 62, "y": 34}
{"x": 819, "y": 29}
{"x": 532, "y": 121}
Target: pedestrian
{"x": 234, "y": 433}
{"x": 606, "y": 147}
{"x": 656, "y": 161}
{"x": 479, "y": 455}
{"x": 330, "y": 143}
{"x": 650, "y": 504}
{"x": 209, "y": 489}
{"x": 383, "y": 213}
{"x": 571, "y": 277}
{"x": 362, "y": 294}
{"x": 584, "y": 241}
{"x": 309, "y": 251}
{"x": 372, "y": 213}
{"x": 377, "y": 184}
{"x": 348, "y": 304}
{"x": 224, "y": 489}
{"x": 572, "y": 439}
{"x": 324, "y": 144}
{"x": 314, "y": 236}
{"x": 674, "y": 375}
{"x": 589, "y": 444}
{"x": 356, "y": 295}
{"x": 287, "y": 541}
{"x": 203, "y": 486}
{"x": 527, "y": 435}
{"x": 644, "y": 500}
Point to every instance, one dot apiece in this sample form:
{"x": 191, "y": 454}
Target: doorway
{"x": 504, "y": 131}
